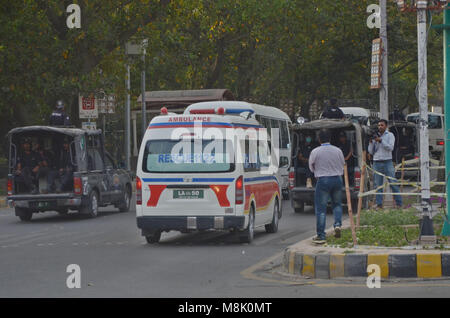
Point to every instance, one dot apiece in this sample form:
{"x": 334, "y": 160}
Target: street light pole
{"x": 127, "y": 120}
{"x": 384, "y": 108}
{"x": 144, "y": 109}
{"x": 130, "y": 49}
{"x": 426, "y": 223}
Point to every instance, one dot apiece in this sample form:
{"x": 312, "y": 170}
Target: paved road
{"x": 115, "y": 261}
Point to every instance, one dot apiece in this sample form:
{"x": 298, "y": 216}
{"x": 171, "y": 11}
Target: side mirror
{"x": 284, "y": 162}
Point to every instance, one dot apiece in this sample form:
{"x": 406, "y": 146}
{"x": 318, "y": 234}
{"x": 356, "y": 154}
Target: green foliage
{"x": 263, "y": 50}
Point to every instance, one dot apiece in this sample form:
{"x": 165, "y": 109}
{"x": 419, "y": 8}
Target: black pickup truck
{"x": 97, "y": 181}
{"x": 356, "y": 134}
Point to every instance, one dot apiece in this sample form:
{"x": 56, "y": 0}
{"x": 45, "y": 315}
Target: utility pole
{"x": 384, "y": 102}
{"x": 144, "y": 109}
{"x": 130, "y": 49}
{"x": 127, "y": 121}
{"x": 427, "y": 231}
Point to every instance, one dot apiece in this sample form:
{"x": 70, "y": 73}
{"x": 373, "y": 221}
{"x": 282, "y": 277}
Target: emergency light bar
{"x": 221, "y": 111}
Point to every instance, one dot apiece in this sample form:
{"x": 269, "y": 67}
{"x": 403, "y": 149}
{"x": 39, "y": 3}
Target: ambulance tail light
{"x": 291, "y": 179}
{"x": 77, "y": 186}
{"x": 240, "y": 190}
{"x": 138, "y": 191}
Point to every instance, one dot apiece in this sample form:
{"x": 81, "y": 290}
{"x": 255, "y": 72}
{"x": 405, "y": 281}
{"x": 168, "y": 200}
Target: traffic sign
{"x": 87, "y": 107}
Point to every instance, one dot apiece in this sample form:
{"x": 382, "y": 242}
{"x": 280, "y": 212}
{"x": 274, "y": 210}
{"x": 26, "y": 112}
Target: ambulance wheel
{"x": 273, "y": 227}
{"x": 153, "y": 238}
{"x": 300, "y": 208}
{"x": 248, "y": 234}
{"x": 24, "y": 214}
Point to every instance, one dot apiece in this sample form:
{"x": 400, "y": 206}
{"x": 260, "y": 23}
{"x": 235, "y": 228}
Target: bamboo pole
{"x": 361, "y": 188}
{"x": 403, "y": 174}
{"x": 349, "y": 205}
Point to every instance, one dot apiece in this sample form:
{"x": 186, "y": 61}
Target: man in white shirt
{"x": 327, "y": 163}
{"x": 381, "y": 149}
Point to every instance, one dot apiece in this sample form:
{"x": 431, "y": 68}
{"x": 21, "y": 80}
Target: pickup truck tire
{"x": 300, "y": 208}
{"x": 91, "y": 209}
{"x": 24, "y": 215}
{"x": 63, "y": 211}
{"x": 125, "y": 204}
{"x": 273, "y": 227}
{"x": 153, "y": 238}
{"x": 247, "y": 235}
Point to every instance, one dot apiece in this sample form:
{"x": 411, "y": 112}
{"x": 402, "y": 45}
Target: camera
{"x": 373, "y": 134}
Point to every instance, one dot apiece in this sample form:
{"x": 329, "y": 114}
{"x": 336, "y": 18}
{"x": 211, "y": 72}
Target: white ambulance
{"x": 276, "y": 121}
{"x": 206, "y": 170}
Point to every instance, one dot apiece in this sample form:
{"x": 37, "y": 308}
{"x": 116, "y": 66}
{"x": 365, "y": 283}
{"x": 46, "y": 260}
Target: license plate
{"x": 188, "y": 194}
{"x": 44, "y": 204}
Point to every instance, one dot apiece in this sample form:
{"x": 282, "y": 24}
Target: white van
{"x": 361, "y": 115}
{"x": 194, "y": 173}
{"x": 270, "y": 118}
{"x": 435, "y": 130}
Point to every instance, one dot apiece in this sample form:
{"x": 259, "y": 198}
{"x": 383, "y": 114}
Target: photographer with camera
{"x": 381, "y": 146}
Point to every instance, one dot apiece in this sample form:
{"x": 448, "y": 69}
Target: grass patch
{"x": 389, "y": 228}
{"x": 389, "y": 217}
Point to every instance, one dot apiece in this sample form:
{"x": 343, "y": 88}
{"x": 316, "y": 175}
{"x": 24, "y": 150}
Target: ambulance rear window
{"x": 167, "y": 156}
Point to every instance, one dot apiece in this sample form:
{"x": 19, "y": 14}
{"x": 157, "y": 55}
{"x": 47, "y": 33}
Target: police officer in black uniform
{"x": 46, "y": 166}
{"x": 59, "y": 117}
{"x": 27, "y": 167}
{"x": 333, "y": 111}
{"x": 397, "y": 115}
{"x": 65, "y": 167}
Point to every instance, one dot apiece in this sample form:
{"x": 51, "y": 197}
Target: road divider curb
{"x": 392, "y": 265}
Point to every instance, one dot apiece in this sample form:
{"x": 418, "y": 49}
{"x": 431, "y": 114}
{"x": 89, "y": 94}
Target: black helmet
{"x": 59, "y": 104}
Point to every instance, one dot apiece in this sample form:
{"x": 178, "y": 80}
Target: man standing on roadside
{"x": 327, "y": 164}
{"x": 381, "y": 149}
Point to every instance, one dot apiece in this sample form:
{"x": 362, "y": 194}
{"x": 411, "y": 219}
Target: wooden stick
{"x": 361, "y": 188}
{"x": 403, "y": 174}
{"x": 349, "y": 205}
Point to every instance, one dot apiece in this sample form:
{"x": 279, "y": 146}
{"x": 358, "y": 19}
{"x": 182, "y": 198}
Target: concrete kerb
{"x": 306, "y": 259}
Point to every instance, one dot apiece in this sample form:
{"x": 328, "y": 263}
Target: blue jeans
{"x": 386, "y": 168}
{"x": 328, "y": 188}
